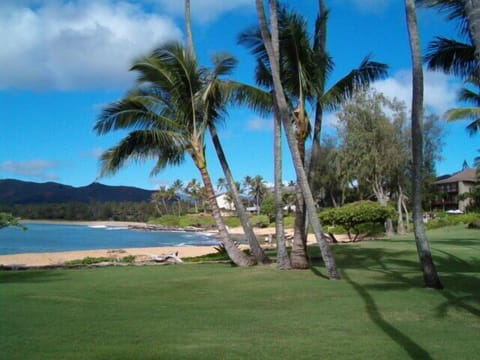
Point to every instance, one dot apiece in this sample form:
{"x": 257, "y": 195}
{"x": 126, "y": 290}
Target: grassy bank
{"x": 378, "y": 310}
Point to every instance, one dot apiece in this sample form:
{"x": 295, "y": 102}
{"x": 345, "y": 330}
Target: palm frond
{"x": 344, "y": 89}
{"x": 451, "y": 57}
{"x": 258, "y": 100}
{"x": 453, "y": 9}
{"x": 140, "y": 145}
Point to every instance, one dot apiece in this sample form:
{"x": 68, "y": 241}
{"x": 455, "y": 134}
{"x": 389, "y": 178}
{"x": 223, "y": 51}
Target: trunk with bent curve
{"x": 235, "y": 254}
{"x": 430, "y": 275}
{"x": 271, "y": 44}
{"x": 255, "y": 247}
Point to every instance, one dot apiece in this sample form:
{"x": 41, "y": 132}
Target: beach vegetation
{"x": 7, "y": 219}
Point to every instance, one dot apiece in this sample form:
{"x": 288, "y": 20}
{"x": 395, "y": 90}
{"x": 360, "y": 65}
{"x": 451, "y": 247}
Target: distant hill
{"x": 24, "y": 192}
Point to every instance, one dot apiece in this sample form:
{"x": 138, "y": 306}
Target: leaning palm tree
{"x": 166, "y": 116}
{"x": 215, "y": 98}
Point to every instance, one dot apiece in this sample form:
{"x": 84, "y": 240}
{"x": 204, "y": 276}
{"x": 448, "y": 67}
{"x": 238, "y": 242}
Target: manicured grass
{"x": 379, "y": 310}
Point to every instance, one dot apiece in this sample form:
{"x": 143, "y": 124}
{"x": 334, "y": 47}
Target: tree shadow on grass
{"x": 414, "y": 350}
{"x": 398, "y": 270}
{"x": 29, "y": 276}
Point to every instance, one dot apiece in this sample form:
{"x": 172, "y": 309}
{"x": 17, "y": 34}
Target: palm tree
{"x": 167, "y": 119}
{"x": 472, "y": 14}
{"x": 430, "y": 275}
{"x": 468, "y": 113}
{"x": 215, "y": 98}
{"x": 450, "y": 55}
{"x": 192, "y": 189}
{"x": 162, "y": 196}
{"x": 305, "y": 67}
{"x": 271, "y": 40}
{"x": 457, "y": 58}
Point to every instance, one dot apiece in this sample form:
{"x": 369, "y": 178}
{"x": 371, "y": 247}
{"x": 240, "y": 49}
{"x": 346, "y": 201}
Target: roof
{"x": 464, "y": 175}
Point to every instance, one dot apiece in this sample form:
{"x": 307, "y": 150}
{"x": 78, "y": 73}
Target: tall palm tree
{"x": 430, "y": 275}
{"x": 215, "y": 99}
{"x": 305, "y": 67}
{"x": 167, "y": 119}
{"x": 271, "y": 40}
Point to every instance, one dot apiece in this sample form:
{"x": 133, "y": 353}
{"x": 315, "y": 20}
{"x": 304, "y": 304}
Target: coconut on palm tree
{"x": 166, "y": 116}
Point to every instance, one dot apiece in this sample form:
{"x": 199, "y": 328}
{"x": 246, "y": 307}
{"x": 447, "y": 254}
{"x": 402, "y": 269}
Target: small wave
{"x": 97, "y": 226}
{"x": 117, "y": 228}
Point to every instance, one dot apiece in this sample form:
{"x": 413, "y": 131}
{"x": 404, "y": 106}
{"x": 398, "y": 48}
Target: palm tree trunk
{"x": 237, "y": 256}
{"x": 472, "y": 13}
{"x": 299, "y": 246}
{"x": 283, "y": 261}
{"x": 271, "y": 44}
{"x": 188, "y": 29}
{"x": 430, "y": 276}
{"x": 400, "y": 226}
{"x": 255, "y": 247}
{"x": 319, "y": 46}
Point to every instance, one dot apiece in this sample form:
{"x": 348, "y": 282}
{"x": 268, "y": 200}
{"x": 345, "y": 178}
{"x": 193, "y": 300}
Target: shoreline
{"x": 57, "y": 258}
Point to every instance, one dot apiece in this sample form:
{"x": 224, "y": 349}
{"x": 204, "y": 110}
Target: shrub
{"x": 260, "y": 221}
{"x": 474, "y": 224}
{"x": 360, "y": 216}
{"x": 443, "y": 219}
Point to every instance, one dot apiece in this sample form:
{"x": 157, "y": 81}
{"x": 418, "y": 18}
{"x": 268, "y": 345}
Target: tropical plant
{"x": 430, "y": 275}
{"x": 215, "y": 99}
{"x": 304, "y": 68}
{"x": 468, "y": 113}
{"x": 353, "y": 215}
{"x": 167, "y": 118}
{"x": 271, "y": 42}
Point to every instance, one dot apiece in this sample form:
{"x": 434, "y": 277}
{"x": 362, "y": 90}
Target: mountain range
{"x": 24, "y": 192}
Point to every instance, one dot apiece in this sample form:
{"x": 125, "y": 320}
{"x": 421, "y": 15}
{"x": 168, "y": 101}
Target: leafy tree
{"x": 7, "y": 219}
{"x": 373, "y": 145}
{"x": 167, "y": 119}
{"x": 353, "y": 215}
{"x": 430, "y": 275}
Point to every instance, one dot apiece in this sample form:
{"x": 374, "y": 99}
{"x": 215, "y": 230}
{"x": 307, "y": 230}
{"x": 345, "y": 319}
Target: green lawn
{"x": 379, "y": 310}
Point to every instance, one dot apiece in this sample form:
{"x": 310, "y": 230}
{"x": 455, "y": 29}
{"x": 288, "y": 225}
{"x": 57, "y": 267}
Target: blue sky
{"x": 62, "y": 60}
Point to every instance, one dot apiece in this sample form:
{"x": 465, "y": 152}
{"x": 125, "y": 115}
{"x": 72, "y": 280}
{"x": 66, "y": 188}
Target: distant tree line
{"x": 113, "y": 211}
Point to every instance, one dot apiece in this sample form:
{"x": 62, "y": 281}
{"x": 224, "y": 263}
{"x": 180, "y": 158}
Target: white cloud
{"x": 204, "y": 10}
{"x": 76, "y": 44}
{"x": 368, "y": 6}
{"x": 440, "y": 90}
{"x": 39, "y": 169}
{"x": 94, "y": 153}
{"x": 259, "y": 124}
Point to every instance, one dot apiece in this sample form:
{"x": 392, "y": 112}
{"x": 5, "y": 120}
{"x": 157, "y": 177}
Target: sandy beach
{"x": 56, "y": 258}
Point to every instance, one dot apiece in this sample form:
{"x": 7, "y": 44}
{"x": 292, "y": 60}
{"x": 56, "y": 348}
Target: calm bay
{"x": 39, "y": 238}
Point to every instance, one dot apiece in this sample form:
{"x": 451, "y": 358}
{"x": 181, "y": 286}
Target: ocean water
{"x": 53, "y": 238}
